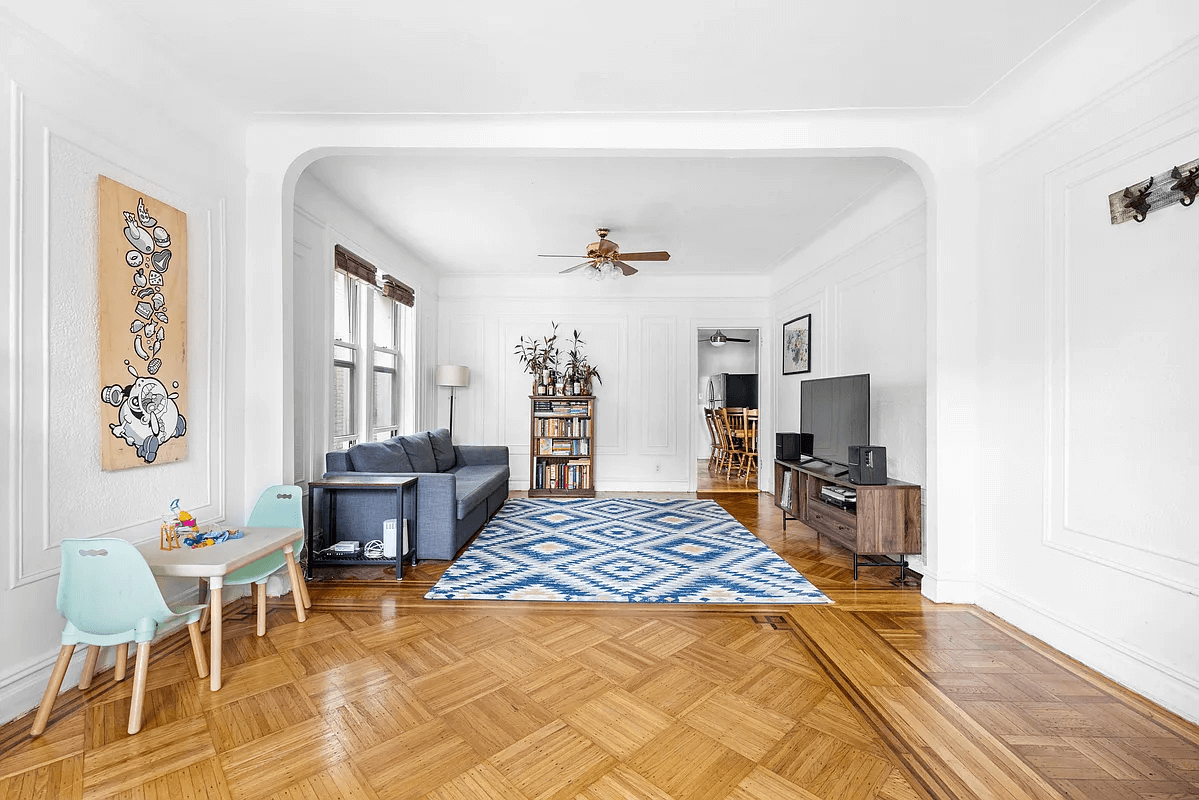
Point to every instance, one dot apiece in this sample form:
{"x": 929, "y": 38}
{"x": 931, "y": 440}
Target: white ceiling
{"x": 479, "y": 213}
{"x": 563, "y": 55}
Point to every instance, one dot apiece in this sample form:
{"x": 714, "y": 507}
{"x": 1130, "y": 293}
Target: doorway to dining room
{"x": 729, "y": 361}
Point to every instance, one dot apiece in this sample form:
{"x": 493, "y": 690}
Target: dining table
{"x": 214, "y": 562}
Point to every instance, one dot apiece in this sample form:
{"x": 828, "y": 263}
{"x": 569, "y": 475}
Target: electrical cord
{"x": 373, "y": 549}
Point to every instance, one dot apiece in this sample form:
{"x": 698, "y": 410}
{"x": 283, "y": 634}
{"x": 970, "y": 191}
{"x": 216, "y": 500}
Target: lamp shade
{"x": 451, "y": 375}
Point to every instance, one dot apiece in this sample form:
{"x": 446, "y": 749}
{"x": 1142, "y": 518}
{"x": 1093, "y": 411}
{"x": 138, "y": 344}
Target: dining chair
{"x": 735, "y": 418}
{"x": 721, "y": 421}
{"x": 109, "y": 597}
{"x": 714, "y": 436}
{"x": 749, "y": 450}
{"x": 277, "y": 507}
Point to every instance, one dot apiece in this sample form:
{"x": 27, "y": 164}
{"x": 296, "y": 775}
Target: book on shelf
{"x": 563, "y": 447}
{"x": 786, "y": 491}
{"x": 558, "y": 426}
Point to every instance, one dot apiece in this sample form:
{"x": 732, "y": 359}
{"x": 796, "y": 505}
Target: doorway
{"x": 729, "y": 362}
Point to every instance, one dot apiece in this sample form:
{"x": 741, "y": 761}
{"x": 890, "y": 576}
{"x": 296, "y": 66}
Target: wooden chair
{"x": 714, "y": 436}
{"x": 277, "y": 507}
{"x": 109, "y": 597}
{"x": 735, "y": 421}
{"x": 749, "y": 450}
{"x": 724, "y": 454}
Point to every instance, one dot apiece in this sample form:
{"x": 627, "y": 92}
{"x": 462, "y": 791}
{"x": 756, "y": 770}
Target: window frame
{"x": 381, "y": 433}
{"x": 346, "y": 441}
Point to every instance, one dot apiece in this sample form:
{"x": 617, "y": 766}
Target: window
{"x": 386, "y": 356}
{"x": 372, "y": 387}
{"x": 345, "y": 360}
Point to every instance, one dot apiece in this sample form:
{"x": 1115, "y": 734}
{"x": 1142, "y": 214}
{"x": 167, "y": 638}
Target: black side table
{"x": 403, "y": 487}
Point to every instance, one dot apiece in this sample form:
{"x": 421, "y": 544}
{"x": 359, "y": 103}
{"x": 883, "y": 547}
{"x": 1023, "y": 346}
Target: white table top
{"x": 218, "y": 559}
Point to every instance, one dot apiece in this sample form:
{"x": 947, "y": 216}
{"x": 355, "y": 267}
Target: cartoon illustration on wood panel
{"x": 143, "y": 314}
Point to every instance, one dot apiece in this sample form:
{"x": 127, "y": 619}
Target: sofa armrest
{"x": 472, "y": 455}
{"x": 337, "y": 461}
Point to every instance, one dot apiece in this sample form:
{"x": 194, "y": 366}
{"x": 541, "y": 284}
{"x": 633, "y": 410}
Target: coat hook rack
{"x": 1179, "y": 185}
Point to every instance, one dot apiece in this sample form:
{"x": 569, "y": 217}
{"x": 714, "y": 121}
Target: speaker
{"x": 867, "y": 464}
{"x": 786, "y": 447}
{"x": 790, "y": 446}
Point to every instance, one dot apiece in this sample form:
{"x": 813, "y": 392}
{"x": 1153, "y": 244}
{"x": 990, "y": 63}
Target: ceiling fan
{"x": 606, "y": 261}
{"x": 718, "y": 339}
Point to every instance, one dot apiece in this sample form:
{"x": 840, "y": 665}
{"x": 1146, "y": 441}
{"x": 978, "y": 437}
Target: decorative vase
{"x": 578, "y": 387}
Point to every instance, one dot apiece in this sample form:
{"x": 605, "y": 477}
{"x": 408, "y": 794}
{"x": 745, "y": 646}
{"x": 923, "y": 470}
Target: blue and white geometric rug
{"x": 620, "y": 550}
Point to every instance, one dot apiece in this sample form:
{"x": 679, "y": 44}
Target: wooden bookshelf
{"x": 561, "y": 446}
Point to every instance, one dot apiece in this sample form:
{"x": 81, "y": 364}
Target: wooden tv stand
{"x": 886, "y": 523}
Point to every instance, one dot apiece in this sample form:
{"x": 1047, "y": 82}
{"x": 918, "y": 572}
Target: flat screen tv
{"x": 834, "y": 413}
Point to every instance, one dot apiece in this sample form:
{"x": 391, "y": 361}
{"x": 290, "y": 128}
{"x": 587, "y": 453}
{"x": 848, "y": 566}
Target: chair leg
{"x": 293, "y": 571}
{"x": 304, "y": 590}
{"x": 89, "y": 666}
{"x": 139, "y": 687}
{"x": 260, "y": 600}
{"x": 193, "y": 630}
{"x": 122, "y": 662}
{"x": 60, "y": 672}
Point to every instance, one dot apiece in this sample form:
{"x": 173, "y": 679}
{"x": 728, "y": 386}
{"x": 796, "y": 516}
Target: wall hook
{"x": 1138, "y": 200}
{"x": 1186, "y": 184}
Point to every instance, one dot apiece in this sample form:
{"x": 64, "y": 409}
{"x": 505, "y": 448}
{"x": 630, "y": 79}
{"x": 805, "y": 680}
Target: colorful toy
{"x": 168, "y": 533}
{"x": 209, "y": 538}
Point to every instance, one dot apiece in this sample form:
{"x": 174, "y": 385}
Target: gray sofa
{"x": 458, "y": 489}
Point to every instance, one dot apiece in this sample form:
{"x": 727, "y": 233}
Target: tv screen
{"x": 835, "y": 412}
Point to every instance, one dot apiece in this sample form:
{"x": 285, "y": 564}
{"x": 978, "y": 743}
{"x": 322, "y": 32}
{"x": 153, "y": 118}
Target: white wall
{"x": 1088, "y": 429}
{"x": 737, "y": 358}
{"x": 322, "y": 221}
{"x": 641, "y": 334}
{"x": 864, "y": 283}
{"x": 65, "y": 125}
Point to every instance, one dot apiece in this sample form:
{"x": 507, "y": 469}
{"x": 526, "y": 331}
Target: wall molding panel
{"x": 1172, "y": 134}
{"x": 62, "y": 156}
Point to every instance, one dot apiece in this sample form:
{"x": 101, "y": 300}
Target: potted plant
{"x": 576, "y": 363}
{"x": 587, "y": 375}
{"x": 539, "y": 358}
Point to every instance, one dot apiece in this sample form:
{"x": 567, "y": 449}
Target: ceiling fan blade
{"x": 576, "y": 266}
{"x": 625, "y": 268}
{"x": 542, "y": 255}
{"x": 656, "y": 255}
{"x": 731, "y": 339}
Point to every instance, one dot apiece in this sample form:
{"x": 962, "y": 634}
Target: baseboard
{"x": 21, "y": 687}
{"x": 1121, "y": 662}
{"x": 943, "y": 589}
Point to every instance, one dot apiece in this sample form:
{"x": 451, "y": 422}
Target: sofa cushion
{"x": 475, "y": 484}
{"x": 443, "y": 449}
{"x": 386, "y": 456}
{"x": 419, "y": 450}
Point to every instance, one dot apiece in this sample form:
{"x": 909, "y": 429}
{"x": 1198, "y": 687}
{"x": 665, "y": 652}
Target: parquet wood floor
{"x": 383, "y": 695}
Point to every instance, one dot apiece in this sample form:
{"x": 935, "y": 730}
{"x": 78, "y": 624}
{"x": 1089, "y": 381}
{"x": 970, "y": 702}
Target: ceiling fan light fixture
{"x": 717, "y": 342}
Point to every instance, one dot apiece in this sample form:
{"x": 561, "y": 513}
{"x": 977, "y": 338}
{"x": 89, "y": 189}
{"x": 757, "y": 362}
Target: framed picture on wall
{"x": 797, "y": 345}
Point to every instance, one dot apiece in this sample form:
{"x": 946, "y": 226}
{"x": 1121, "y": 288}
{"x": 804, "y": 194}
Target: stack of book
{"x": 563, "y": 475}
{"x": 558, "y": 408}
{"x": 563, "y": 447}
{"x": 562, "y": 427}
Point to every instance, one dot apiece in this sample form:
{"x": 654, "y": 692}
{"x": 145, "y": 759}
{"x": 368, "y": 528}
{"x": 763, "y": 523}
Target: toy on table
{"x": 179, "y": 522}
{"x": 209, "y": 538}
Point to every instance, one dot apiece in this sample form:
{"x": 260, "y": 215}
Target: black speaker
{"x": 867, "y": 464}
{"x": 790, "y": 446}
{"x": 786, "y": 447}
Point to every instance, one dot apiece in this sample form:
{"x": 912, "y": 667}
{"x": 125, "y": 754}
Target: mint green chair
{"x": 277, "y": 507}
{"x": 109, "y": 597}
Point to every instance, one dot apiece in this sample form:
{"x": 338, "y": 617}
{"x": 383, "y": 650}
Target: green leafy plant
{"x": 539, "y": 355}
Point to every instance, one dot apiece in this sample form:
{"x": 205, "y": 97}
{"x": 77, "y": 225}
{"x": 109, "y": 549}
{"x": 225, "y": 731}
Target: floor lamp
{"x": 453, "y": 377}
